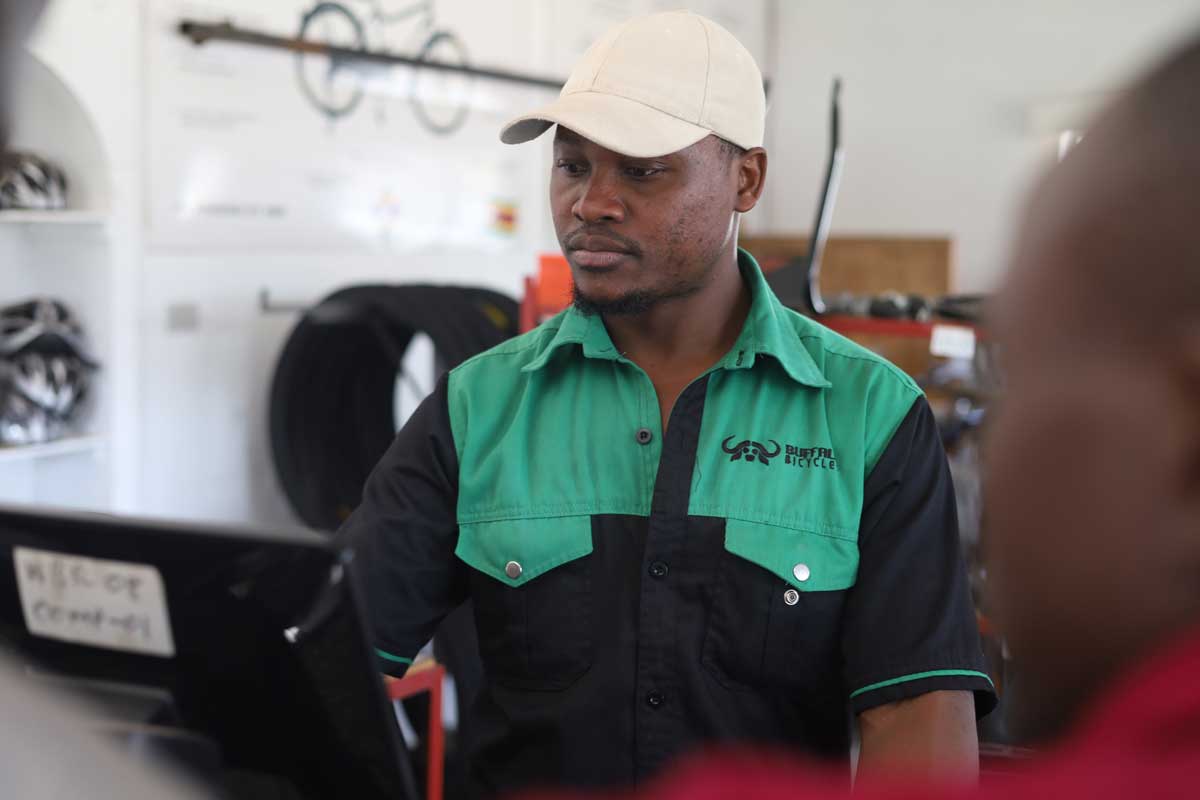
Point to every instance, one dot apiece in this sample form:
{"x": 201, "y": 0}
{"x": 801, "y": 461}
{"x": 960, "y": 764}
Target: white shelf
{"x": 62, "y": 447}
{"x": 52, "y": 218}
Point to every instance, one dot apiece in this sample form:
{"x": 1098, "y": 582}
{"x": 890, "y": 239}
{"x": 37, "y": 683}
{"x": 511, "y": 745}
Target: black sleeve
{"x": 404, "y": 534}
{"x": 910, "y": 626}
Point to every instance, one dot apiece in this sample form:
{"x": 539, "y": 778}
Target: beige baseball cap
{"x": 655, "y": 85}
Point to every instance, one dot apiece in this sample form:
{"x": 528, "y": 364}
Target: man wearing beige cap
{"x": 686, "y": 514}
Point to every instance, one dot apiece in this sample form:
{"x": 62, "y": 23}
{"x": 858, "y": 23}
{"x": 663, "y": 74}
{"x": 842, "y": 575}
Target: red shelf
{"x": 847, "y": 325}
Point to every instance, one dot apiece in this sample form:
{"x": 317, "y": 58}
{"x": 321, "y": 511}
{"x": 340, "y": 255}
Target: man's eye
{"x": 642, "y": 172}
{"x": 570, "y": 167}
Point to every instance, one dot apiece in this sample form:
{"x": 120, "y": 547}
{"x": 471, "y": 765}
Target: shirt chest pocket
{"x": 532, "y": 587}
{"x": 777, "y": 607}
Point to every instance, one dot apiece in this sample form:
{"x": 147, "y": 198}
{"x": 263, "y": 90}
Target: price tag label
{"x": 952, "y": 341}
{"x": 94, "y": 601}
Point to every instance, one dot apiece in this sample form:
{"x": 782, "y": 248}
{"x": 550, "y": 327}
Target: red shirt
{"x": 1141, "y": 741}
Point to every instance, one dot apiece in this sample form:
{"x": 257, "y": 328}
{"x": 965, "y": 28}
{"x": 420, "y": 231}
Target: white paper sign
{"x": 93, "y": 601}
{"x": 952, "y": 341}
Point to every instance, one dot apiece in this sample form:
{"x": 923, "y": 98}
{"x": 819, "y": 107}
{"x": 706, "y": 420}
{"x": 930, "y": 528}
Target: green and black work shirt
{"x": 785, "y": 552}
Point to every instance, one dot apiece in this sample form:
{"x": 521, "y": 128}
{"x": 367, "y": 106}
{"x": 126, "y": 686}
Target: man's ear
{"x": 1186, "y": 380}
{"x": 1181, "y": 417}
{"x": 751, "y": 178}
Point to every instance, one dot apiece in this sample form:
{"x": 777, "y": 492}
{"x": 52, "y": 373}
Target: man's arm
{"x": 914, "y": 668}
{"x": 404, "y": 534}
{"x": 930, "y": 735}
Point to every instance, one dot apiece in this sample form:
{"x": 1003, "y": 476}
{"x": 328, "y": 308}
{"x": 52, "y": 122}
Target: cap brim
{"x": 624, "y": 126}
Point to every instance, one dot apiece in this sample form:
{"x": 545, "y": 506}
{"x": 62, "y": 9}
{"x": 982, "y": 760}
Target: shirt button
{"x": 791, "y": 597}
{"x": 658, "y": 569}
{"x": 802, "y": 572}
{"x": 655, "y": 699}
{"x": 645, "y": 436}
{"x": 513, "y": 570}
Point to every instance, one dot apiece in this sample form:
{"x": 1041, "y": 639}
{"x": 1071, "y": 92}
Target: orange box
{"x": 553, "y": 291}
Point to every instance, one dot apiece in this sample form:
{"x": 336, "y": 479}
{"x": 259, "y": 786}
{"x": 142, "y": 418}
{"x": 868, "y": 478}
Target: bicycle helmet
{"x": 30, "y": 182}
{"x": 45, "y": 371}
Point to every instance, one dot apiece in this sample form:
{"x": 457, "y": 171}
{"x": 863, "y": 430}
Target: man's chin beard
{"x": 629, "y": 304}
{"x": 638, "y": 301}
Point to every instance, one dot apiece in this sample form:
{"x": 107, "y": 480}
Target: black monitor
{"x": 250, "y": 642}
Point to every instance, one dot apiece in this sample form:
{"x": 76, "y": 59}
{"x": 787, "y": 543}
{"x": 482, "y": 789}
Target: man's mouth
{"x": 598, "y": 259}
{"x": 596, "y": 252}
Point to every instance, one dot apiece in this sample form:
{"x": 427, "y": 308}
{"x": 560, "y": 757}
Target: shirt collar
{"x": 767, "y": 331}
{"x": 577, "y": 328}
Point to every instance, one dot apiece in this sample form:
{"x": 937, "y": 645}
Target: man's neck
{"x": 688, "y": 334}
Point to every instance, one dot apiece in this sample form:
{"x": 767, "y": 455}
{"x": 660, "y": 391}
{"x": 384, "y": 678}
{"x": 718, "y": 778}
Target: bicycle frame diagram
{"x": 336, "y": 86}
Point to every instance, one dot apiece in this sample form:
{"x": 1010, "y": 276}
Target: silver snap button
{"x": 802, "y": 572}
{"x": 513, "y": 570}
{"x": 791, "y": 597}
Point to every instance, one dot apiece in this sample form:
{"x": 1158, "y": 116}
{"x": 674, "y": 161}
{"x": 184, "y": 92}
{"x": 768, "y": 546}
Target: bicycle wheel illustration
{"x": 440, "y": 99}
{"x": 334, "y": 86}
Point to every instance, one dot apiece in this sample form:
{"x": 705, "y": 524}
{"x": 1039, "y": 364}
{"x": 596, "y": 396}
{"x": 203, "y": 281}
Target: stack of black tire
{"x": 332, "y": 416}
{"x": 332, "y": 397}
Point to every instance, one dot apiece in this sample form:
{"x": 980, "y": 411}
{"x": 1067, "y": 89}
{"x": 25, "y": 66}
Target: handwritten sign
{"x": 94, "y": 601}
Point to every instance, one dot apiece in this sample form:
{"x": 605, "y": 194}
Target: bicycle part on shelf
{"x": 45, "y": 371}
{"x": 964, "y": 307}
{"x": 23, "y": 324}
{"x": 30, "y": 182}
{"x": 798, "y": 283}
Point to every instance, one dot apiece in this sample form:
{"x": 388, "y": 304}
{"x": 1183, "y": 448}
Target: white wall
{"x": 220, "y": 126}
{"x": 937, "y": 101}
{"x": 204, "y": 445}
{"x": 88, "y": 52}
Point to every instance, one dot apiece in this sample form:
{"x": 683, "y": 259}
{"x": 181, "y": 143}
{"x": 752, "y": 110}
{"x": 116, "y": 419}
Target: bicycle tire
{"x": 360, "y": 37}
{"x": 330, "y": 408}
{"x": 460, "y": 114}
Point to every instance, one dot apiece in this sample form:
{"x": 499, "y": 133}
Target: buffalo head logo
{"x": 751, "y": 451}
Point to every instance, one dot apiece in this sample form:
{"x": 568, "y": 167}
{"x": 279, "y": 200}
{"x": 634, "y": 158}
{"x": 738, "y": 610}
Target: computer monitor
{"x": 252, "y": 641}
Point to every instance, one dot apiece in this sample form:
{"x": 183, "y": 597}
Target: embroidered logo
{"x": 750, "y": 451}
{"x": 810, "y": 457}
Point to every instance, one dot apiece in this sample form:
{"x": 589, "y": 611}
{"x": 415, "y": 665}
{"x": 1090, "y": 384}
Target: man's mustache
{"x": 576, "y": 239}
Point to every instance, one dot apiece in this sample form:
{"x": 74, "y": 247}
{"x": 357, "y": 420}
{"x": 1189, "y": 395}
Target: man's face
{"x": 1082, "y": 534}
{"x": 638, "y": 231}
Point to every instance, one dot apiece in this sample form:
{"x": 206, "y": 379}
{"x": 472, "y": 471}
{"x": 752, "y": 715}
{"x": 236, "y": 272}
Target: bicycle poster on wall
{"x": 267, "y": 147}
{"x": 259, "y": 147}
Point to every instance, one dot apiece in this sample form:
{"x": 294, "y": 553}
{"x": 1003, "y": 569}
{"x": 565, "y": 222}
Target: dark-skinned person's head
{"x": 1092, "y": 535}
{"x": 657, "y": 150}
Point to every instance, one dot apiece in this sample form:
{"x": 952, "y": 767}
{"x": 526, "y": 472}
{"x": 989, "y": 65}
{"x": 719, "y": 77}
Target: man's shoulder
{"x": 862, "y": 384}
{"x": 506, "y": 361}
{"x": 847, "y": 364}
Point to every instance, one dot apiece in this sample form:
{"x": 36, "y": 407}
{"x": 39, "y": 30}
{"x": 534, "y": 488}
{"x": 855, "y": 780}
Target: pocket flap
{"x": 807, "y": 561}
{"x": 534, "y": 546}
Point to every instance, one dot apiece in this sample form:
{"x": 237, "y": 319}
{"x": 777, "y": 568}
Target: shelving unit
{"x": 66, "y": 254}
{"x": 70, "y": 445}
{"x": 52, "y": 218}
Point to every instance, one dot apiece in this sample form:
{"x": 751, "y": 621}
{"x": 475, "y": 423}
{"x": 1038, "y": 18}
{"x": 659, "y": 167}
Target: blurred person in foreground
{"x": 1094, "y": 497}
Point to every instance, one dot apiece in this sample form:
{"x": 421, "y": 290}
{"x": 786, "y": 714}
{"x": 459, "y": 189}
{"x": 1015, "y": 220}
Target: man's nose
{"x": 599, "y": 201}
